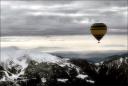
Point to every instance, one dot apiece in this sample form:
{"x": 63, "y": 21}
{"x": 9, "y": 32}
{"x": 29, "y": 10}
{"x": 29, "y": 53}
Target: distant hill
{"x": 110, "y": 57}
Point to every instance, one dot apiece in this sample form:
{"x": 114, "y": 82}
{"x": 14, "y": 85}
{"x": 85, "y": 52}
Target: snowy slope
{"x": 19, "y": 59}
{"x": 15, "y": 61}
{"x": 15, "y": 53}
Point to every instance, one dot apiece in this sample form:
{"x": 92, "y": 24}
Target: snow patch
{"x": 3, "y": 79}
{"x": 100, "y": 63}
{"x": 81, "y": 76}
{"x": 90, "y": 81}
{"x": 121, "y": 60}
{"x": 62, "y": 80}
{"x": 43, "y": 80}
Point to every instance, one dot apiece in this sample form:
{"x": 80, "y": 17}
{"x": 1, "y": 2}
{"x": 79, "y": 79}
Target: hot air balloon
{"x": 98, "y": 30}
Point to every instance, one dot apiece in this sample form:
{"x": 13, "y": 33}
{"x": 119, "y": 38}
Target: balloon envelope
{"x": 98, "y": 30}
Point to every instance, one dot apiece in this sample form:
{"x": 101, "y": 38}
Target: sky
{"x": 61, "y": 17}
{"x": 77, "y": 43}
{"x": 72, "y": 46}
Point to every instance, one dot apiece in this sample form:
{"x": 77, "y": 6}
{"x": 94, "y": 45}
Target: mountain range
{"x": 30, "y": 68}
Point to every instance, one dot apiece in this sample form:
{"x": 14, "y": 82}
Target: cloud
{"x": 61, "y": 17}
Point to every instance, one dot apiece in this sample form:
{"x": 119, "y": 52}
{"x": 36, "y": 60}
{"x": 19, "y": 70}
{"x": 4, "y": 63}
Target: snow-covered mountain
{"x": 31, "y": 68}
{"x": 112, "y": 71}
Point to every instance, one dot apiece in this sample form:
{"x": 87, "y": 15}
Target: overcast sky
{"x": 62, "y": 17}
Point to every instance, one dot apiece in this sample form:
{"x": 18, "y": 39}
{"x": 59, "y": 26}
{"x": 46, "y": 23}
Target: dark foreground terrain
{"x": 72, "y": 72}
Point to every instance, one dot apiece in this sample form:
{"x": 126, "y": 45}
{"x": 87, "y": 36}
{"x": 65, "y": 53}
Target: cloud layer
{"x": 62, "y": 17}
